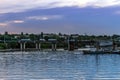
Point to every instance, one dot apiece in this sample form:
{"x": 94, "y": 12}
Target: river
{"x": 58, "y": 66}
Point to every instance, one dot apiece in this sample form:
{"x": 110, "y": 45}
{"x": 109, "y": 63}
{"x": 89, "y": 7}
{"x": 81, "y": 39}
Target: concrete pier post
{"x": 36, "y": 46}
{"x": 55, "y": 47}
{"x": 68, "y": 45}
{"x": 97, "y": 46}
{"x": 52, "y": 47}
{"x": 21, "y": 46}
{"x": 24, "y": 46}
{"x": 40, "y": 46}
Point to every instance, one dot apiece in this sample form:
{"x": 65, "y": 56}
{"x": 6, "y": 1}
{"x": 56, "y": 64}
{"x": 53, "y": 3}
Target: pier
{"x": 53, "y": 43}
{"x": 23, "y": 43}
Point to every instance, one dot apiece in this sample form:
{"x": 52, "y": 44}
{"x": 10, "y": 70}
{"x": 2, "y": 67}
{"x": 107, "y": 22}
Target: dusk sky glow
{"x": 65, "y": 16}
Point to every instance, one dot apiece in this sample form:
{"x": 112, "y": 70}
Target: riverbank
{"x": 29, "y": 49}
{"x": 76, "y": 51}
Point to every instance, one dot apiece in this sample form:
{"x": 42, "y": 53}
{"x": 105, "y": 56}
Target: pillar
{"x": 55, "y": 46}
{"x": 68, "y": 45}
{"x": 52, "y": 47}
{"x": 97, "y": 46}
{"x": 24, "y": 46}
{"x": 40, "y": 46}
{"x": 36, "y": 45}
{"x": 21, "y": 46}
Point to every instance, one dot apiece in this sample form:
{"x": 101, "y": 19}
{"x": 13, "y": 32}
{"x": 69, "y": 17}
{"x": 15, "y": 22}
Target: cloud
{"x": 46, "y": 17}
{"x": 3, "y": 24}
{"x": 13, "y": 6}
{"x": 7, "y": 23}
{"x": 17, "y": 21}
{"x": 14, "y": 22}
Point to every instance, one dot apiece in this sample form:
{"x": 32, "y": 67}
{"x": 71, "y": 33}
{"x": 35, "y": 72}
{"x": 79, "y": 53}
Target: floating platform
{"x": 101, "y": 52}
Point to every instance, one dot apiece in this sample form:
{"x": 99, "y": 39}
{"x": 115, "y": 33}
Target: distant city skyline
{"x": 92, "y": 17}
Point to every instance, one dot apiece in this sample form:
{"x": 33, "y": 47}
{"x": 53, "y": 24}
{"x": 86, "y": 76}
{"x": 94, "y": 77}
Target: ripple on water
{"x": 58, "y": 66}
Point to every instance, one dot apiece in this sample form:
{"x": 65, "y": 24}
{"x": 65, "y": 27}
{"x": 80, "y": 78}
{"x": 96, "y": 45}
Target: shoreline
{"x": 57, "y": 50}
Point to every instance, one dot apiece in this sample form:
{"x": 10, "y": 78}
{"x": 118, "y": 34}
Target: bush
{"x": 2, "y": 46}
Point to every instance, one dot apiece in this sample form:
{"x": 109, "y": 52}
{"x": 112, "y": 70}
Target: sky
{"x": 92, "y": 17}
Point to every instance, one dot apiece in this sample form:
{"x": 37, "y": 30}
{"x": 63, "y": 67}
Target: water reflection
{"x": 58, "y": 66}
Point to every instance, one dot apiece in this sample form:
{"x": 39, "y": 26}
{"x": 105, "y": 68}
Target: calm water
{"x": 58, "y": 66}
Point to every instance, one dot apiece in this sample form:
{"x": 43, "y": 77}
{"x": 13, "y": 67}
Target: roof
{"x": 52, "y": 40}
{"x": 25, "y": 40}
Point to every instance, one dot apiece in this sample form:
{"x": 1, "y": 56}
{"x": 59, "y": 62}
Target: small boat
{"x": 116, "y": 51}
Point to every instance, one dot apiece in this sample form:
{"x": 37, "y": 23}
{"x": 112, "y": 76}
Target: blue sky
{"x": 65, "y": 16}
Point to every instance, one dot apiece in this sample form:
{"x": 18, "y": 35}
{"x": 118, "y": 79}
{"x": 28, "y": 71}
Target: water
{"x": 58, "y": 66}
